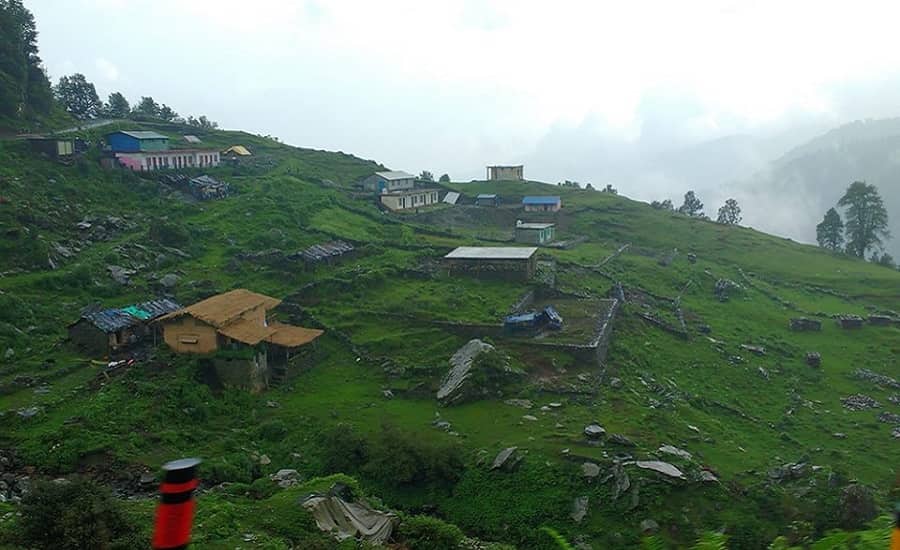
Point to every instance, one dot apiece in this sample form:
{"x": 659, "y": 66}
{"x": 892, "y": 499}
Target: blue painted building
{"x": 125, "y": 141}
{"x": 542, "y": 203}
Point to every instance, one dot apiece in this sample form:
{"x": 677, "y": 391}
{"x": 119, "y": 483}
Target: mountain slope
{"x": 392, "y": 323}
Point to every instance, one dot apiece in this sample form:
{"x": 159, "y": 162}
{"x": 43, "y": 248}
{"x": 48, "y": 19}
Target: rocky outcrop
{"x": 661, "y": 467}
{"x": 457, "y": 386}
{"x": 802, "y": 324}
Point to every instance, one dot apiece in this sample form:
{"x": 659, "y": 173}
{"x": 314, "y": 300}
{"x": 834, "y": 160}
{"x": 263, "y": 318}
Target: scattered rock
{"x": 120, "y": 274}
{"x": 755, "y": 350}
{"x": 579, "y": 508}
{"x": 763, "y": 372}
{"x": 590, "y": 470}
{"x": 881, "y": 320}
{"x": 524, "y": 403}
{"x": 859, "y": 402}
{"x": 9, "y": 354}
{"x": 692, "y": 257}
{"x": 789, "y": 471}
{"x": 530, "y": 417}
{"x": 649, "y": 526}
{"x": 704, "y": 329}
{"x": 662, "y": 467}
{"x": 874, "y": 377}
{"x": 675, "y": 451}
{"x": 889, "y": 418}
{"x": 802, "y": 324}
{"x": 621, "y": 481}
{"x": 168, "y": 281}
{"x": 387, "y": 394}
{"x": 555, "y": 405}
{"x": 615, "y": 383}
{"x": 286, "y": 477}
{"x": 272, "y": 404}
{"x": 708, "y": 477}
{"x": 724, "y": 288}
{"x": 265, "y": 460}
{"x": 620, "y": 439}
{"x": 594, "y": 431}
{"x": 839, "y": 435}
{"x": 28, "y": 412}
{"x": 813, "y": 359}
{"x": 507, "y": 460}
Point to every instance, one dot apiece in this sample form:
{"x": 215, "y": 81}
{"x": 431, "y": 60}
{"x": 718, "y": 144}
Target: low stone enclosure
{"x": 594, "y": 347}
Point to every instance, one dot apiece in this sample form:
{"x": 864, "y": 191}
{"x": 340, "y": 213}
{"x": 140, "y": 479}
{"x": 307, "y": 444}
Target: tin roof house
{"x": 542, "y": 203}
{"x": 105, "y": 332}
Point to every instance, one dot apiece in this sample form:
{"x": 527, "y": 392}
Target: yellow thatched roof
{"x": 222, "y": 309}
{"x": 239, "y": 150}
{"x": 290, "y": 336}
{"x": 247, "y": 331}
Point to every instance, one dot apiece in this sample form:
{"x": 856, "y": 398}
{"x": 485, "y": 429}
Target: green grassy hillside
{"x": 387, "y": 313}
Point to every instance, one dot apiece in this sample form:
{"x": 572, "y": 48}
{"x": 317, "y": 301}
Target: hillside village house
{"x": 143, "y": 151}
{"x": 486, "y": 199}
{"x": 542, "y": 204}
{"x": 387, "y": 182}
{"x": 410, "y": 199}
{"x": 506, "y": 262}
{"x": 104, "y": 332}
{"x": 246, "y": 348}
{"x": 505, "y": 173}
{"x": 534, "y": 233}
{"x": 236, "y": 153}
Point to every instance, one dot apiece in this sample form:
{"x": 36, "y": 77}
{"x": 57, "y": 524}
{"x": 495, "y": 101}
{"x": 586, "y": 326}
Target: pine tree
{"x": 830, "y": 232}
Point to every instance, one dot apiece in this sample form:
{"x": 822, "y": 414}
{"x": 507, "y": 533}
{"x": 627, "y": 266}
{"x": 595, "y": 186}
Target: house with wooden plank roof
{"x": 235, "y": 330}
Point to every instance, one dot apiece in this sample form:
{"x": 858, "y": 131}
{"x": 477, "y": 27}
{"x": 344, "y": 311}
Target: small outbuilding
{"x": 487, "y": 199}
{"x": 451, "y": 197}
{"x": 542, "y": 203}
{"x": 389, "y": 181}
{"x": 53, "y": 147}
{"x": 534, "y": 233}
{"x": 105, "y": 332}
{"x": 136, "y": 141}
{"x": 236, "y": 152}
{"x": 506, "y": 262}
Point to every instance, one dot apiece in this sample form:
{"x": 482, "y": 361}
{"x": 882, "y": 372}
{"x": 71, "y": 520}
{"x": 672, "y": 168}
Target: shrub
{"x": 73, "y": 515}
{"x": 273, "y": 431}
{"x": 428, "y": 533}
{"x": 345, "y": 450}
{"x": 168, "y": 233}
{"x": 234, "y": 468}
{"x": 402, "y": 458}
{"x": 262, "y": 488}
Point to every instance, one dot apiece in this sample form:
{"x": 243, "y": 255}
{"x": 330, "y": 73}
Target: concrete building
{"x": 505, "y": 173}
{"x": 506, "y": 262}
{"x": 148, "y": 151}
{"x": 387, "y": 182}
{"x": 409, "y": 199}
{"x": 542, "y": 204}
{"x": 534, "y": 233}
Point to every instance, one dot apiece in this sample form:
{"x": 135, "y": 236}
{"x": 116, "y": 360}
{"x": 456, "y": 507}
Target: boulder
{"x": 507, "y": 460}
{"x": 661, "y": 467}
{"x": 286, "y": 477}
{"x": 813, "y": 359}
{"x": 523, "y": 403}
{"x": 859, "y": 402}
{"x": 724, "y": 288}
{"x": 755, "y": 350}
{"x": 802, "y": 324}
{"x": 168, "y": 281}
{"x": 594, "y": 431}
{"x": 621, "y": 481}
{"x": 590, "y": 470}
{"x": 675, "y": 451}
{"x": 120, "y": 274}
{"x": 620, "y": 439}
{"x": 456, "y": 386}
{"x": 708, "y": 477}
{"x": 649, "y": 526}
{"x": 579, "y": 508}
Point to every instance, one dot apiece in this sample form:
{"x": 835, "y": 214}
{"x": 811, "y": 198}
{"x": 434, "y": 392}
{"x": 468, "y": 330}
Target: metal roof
{"x": 140, "y": 134}
{"x": 110, "y": 320}
{"x": 507, "y": 166}
{"x": 541, "y": 200}
{"x": 395, "y": 175}
{"x": 492, "y": 253}
{"x": 402, "y": 192}
{"x": 451, "y": 197}
{"x": 158, "y": 308}
{"x": 528, "y": 225}
{"x": 486, "y": 196}
{"x": 192, "y": 139}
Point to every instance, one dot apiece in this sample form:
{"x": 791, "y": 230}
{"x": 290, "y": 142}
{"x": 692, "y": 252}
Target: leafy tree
{"x": 730, "y": 213}
{"x": 692, "y": 205}
{"x": 426, "y": 175}
{"x": 830, "y": 231}
{"x": 167, "y": 113}
{"x": 74, "y": 514}
{"x": 444, "y": 178}
{"x": 78, "y": 96}
{"x": 610, "y": 189}
{"x": 117, "y": 106}
{"x": 663, "y": 205}
{"x": 568, "y": 183}
{"x": 24, "y": 86}
{"x": 148, "y": 107}
{"x": 867, "y": 218}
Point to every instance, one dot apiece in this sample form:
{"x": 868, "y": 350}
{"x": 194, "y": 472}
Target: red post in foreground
{"x": 175, "y": 513}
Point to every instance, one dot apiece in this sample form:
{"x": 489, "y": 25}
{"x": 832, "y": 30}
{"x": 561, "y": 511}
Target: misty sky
{"x": 592, "y": 91}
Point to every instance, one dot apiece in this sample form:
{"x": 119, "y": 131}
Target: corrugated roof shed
{"x": 395, "y": 175}
{"x": 486, "y": 196}
{"x": 141, "y": 134}
{"x": 451, "y": 197}
{"x": 159, "y": 307}
{"x": 110, "y": 320}
{"x": 222, "y": 309}
{"x": 541, "y": 200}
{"x": 492, "y": 253}
{"x": 192, "y": 139}
{"x": 530, "y": 225}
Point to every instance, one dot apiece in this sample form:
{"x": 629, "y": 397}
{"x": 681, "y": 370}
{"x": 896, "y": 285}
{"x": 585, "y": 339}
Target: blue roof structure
{"x": 541, "y": 200}
{"x": 115, "y": 319}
